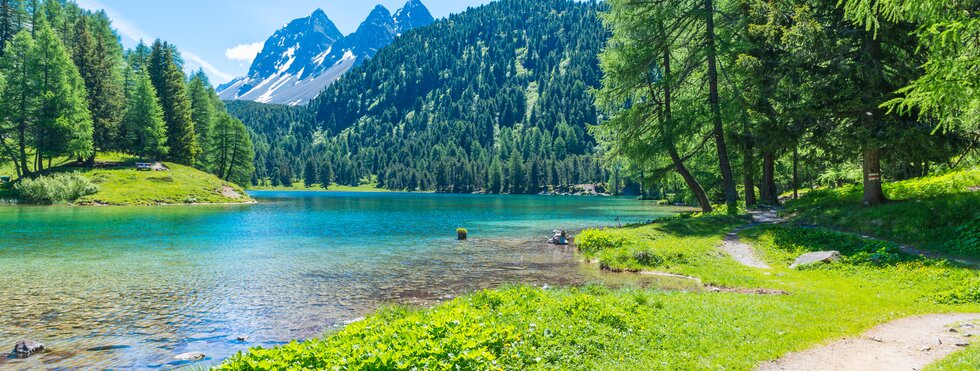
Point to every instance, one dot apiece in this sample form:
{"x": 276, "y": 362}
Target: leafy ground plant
{"x": 62, "y": 187}
{"x": 595, "y": 327}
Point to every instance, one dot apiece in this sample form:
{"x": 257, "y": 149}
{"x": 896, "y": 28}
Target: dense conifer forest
{"x": 496, "y": 99}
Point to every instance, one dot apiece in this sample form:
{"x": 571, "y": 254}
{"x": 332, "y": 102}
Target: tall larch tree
{"x": 145, "y": 127}
{"x": 168, "y": 80}
{"x": 63, "y": 124}
{"x": 203, "y": 111}
{"x": 19, "y": 100}
{"x": 99, "y": 69}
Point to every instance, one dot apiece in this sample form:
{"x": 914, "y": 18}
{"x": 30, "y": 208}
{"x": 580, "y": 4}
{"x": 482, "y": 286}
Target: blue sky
{"x": 222, "y": 36}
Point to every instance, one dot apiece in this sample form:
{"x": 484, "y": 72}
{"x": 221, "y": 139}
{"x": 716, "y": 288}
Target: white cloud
{"x": 208, "y": 67}
{"x": 244, "y": 52}
{"x": 129, "y": 30}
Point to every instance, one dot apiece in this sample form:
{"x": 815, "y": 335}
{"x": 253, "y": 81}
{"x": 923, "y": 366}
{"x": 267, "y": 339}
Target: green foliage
{"x": 63, "y": 187}
{"x": 967, "y": 293}
{"x": 231, "y": 153}
{"x": 593, "y": 327}
{"x": 946, "y": 35}
{"x": 931, "y": 213}
{"x": 592, "y": 241}
{"x": 97, "y": 54}
{"x": 204, "y": 107}
{"x": 168, "y": 79}
{"x": 143, "y": 121}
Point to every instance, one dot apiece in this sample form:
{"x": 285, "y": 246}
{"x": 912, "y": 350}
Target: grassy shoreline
{"x": 594, "y": 327}
{"x": 120, "y": 184}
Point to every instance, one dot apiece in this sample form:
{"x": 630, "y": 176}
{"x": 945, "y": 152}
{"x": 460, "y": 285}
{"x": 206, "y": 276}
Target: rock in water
{"x": 190, "y": 356}
{"x": 816, "y": 257}
{"x": 27, "y": 348}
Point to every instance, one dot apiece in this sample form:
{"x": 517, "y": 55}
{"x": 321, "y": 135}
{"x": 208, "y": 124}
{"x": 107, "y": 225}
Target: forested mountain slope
{"x": 494, "y": 99}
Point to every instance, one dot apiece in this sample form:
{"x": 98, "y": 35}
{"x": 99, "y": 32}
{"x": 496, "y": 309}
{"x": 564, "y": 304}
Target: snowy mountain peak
{"x": 413, "y": 15}
{"x": 308, "y": 54}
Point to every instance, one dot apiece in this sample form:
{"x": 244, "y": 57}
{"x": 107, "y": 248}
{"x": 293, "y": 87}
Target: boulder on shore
{"x": 815, "y": 258}
{"x": 190, "y": 356}
{"x": 27, "y": 348}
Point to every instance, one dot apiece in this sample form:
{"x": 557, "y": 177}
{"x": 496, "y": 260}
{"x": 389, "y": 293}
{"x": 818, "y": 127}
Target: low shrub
{"x": 591, "y": 241}
{"x": 63, "y": 187}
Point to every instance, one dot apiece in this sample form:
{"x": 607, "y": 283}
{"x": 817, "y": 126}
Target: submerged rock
{"x": 27, "y": 348}
{"x": 816, "y": 257}
{"x": 190, "y": 356}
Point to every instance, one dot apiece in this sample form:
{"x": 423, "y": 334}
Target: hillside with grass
{"x": 115, "y": 181}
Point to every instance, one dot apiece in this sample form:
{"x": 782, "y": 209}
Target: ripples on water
{"x": 132, "y": 287}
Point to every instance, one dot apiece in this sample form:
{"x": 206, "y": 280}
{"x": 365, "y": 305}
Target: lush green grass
{"x": 316, "y": 188}
{"x": 599, "y": 328}
{"x": 938, "y": 213}
{"x": 967, "y": 359}
{"x": 180, "y": 185}
{"x": 595, "y": 327}
{"x": 120, "y": 184}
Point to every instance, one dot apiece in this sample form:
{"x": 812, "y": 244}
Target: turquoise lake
{"x": 130, "y": 287}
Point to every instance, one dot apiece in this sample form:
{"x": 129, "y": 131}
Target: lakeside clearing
{"x": 594, "y": 327}
{"x": 119, "y": 183}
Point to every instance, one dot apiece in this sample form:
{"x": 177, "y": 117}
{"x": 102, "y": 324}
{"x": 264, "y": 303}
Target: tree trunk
{"x": 724, "y": 164}
{"x": 748, "y": 169}
{"x": 692, "y": 183}
{"x": 796, "y": 172}
{"x": 22, "y": 143}
{"x": 769, "y": 194}
{"x": 873, "y": 194}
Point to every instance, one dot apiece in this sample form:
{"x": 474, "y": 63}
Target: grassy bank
{"x": 119, "y": 183}
{"x": 940, "y": 213}
{"x": 595, "y": 327}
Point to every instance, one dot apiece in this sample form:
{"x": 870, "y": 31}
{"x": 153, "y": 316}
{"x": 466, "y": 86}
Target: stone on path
{"x": 816, "y": 257}
{"x": 27, "y": 348}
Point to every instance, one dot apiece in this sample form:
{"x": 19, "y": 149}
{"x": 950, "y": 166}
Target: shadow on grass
{"x": 797, "y": 240}
{"x": 709, "y": 225}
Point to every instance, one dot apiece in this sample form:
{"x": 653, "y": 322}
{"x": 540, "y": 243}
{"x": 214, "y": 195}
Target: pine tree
{"x": 168, "y": 80}
{"x": 63, "y": 124}
{"x": 138, "y": 60}
{"x": 9, "y": 22}
{"x": 145, "y": 127}
{"x": 326, "y": 175}
{"x": 203, "y": 110}
{"x": 18, "y": 102}
{"x": 98, "y": 67}
{"x": 231, "y": 152}
{"x": 309, "y": 174}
